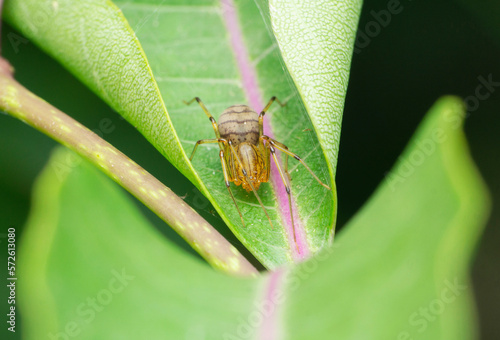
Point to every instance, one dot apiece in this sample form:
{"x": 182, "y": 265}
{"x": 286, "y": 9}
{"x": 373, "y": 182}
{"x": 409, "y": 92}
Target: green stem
{"x": 207, "y": 241}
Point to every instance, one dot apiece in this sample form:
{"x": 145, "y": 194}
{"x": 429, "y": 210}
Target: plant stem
{"x": 205, "y": 239}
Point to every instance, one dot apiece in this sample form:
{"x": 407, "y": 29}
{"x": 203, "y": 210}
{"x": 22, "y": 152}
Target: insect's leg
{"x": 264, "y": 150}
{"x": 205, "y": 141}
{"x": 203, "y": 107}
{"x": 283, "y": 148}
{"x": 286, "y": 168}
{"x": 226, "y": 180}
{"x": 288, "y": 191}
{"x": 263, "y": 112}
{"x": 235, "y": 155}
{"x": 224, "y": 168}
{"x": 286, "y": 156}
{"x": 271, "y": 101}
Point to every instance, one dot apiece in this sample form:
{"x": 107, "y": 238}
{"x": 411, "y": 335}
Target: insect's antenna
{"x": 250, "y": 183}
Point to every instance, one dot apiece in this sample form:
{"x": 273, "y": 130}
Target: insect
{"x": 245, "y": 151}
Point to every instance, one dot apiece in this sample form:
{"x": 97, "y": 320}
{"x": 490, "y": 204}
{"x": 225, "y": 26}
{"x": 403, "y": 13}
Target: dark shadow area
{"x": 426, "y": 50}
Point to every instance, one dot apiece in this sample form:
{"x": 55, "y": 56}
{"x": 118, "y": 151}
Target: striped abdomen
{"x": 239, "y": 124}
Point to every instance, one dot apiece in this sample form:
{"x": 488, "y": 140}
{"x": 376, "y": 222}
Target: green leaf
{"x": 93, "y": 40}
{"x": 93, "y": 267}
{"x": 400, "y": 269}
{"x": 317, "y": 40}
{"x": 223, "y": 53}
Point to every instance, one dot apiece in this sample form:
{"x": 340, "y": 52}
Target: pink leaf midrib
{"x": 298, "y": 248}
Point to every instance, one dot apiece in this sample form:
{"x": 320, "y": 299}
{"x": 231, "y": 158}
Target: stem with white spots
{"x": 205, "y": 239}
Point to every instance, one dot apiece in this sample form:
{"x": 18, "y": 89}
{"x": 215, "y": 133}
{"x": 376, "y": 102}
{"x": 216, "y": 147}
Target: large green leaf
{"x": 398, "y": 271}
{"x": 223, "y": 53}
{"x": 93, "y": 267}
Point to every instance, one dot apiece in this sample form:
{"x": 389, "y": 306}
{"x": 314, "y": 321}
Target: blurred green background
{"x": 428, "y": 49}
